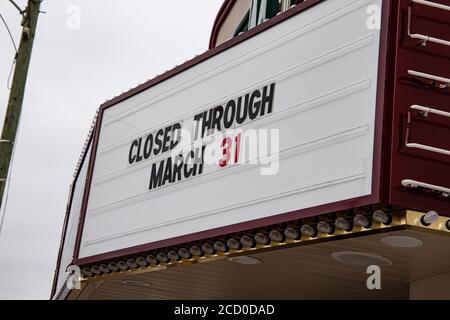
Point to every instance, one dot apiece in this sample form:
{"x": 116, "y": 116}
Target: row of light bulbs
{"x": 248, "y": 241}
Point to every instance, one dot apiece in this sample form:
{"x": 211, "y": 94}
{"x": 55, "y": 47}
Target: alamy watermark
{"x": 374, "y": 280}
{"x": 73, "y": 21}
{"x": 233, "y": 147}
{"x": 373, "y": 21}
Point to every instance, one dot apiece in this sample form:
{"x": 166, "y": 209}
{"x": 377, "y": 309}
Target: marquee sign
{"x": 235, "y": 112}
{"x": 282, "y": 122}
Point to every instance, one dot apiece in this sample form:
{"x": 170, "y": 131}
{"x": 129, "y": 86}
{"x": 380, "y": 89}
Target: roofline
{"x": 78, "y": 168}
{"x": 220, "y": 19}
{"x": 223, "y": 13}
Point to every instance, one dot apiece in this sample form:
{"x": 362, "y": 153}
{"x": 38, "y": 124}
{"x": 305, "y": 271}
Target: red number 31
{"x": 227, "y": 148}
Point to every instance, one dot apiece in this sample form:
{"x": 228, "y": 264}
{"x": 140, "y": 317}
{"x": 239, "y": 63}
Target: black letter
{"x": 253, "y": 109}
{"x": 168, "y": 172}
{"x": 200, "y": 170}
{"x": 267, "y": 99}
{"x": 218, "y": 114}
{"x": 188, "y": 172}
{"x": 158, "y": 142}
{"x": 156, "y": 176}
{"x": 139, "y": 156}
{"x": 132, "y": 159}
{"x": 197, "y": 119}
{"x": 205, "y": 122}
{"x": 176, "y": 135}
{"x": 148, "y": 146}
{"x": 178, "y": 166}
{"x": 241, "y": 118}
{"x": 228, "y": 120}
{"x": 166, "y": 139}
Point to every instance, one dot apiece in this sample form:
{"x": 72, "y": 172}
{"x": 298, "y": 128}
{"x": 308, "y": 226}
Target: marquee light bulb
{"x": 382, "y": 217}
{"x": 276, "y": 236}
{"x": 122, "y": 265}
{"x": 208, "y": 248}
{"x": 261, "y": 238}
{"x": 113, "y": 267}
{"x": 247, "y": 241}
{"x": 343, "y": 224}
{"x": 429, "y": 218}
{"x": 104, "y": 268}
{"x": 87, "y": 272}
{"x": 96, "y": 270}
{"x": 234, "y": 244}
{"x": 361, "y": 220}
{"x": 324, "y": 227}
{"x": 219, "y": 246}
{"x": 292, "y": 233}
{"x": 173, "y": 255}
{"x": 184, "y": 253}
{"x": 132, "y": 263}
{"x": 308, "y": 231}
{"x": 151, "y": 259}
{"x": 162, "y": 257}
{"x": 196, "y": 251}
{"x": 141, "y": 262}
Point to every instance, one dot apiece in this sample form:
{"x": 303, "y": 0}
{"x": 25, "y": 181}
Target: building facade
{"x": 305, "y": 155}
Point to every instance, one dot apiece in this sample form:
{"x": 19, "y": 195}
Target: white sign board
{"x": 303, "y": 92}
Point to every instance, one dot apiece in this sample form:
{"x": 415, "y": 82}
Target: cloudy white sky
{"x": 119, "y": 44}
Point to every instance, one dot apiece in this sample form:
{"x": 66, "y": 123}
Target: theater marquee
{"x": 288, "y": 87}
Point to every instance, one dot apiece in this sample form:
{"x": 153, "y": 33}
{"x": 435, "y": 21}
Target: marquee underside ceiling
{"x": 303, "y": 272}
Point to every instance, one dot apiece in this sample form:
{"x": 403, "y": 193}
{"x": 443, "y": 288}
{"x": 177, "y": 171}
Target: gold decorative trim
{"x": 400, "y": 220}
{"x": 441, "y": 226}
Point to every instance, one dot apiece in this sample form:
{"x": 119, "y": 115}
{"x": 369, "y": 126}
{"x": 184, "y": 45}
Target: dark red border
{"x": 401, "y": 162}
{"x": 351, "y": 203}
{"x": 63, "y": 239}
{"x": 66, "y": 220}
{"x": 214, "y": 51}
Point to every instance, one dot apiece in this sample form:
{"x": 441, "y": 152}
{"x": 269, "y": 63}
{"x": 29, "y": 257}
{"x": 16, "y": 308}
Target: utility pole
{"x": 12, "y": 117}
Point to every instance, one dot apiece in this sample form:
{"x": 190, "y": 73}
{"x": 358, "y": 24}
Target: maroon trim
{"x": 222, "y": 15}
{"x": 385, "y": 94}
{"x": 244, "y": 226}
{"x": 382, "y": 96}
{"x": 285, "y": 217}
{"x": 87, "y": 186}
{"x": 401, "y": 162}
{"x": 389, "y": 97}
{"x": 63, "y": 239}
{"x": 66, "y": 221}
{"x": 224, "y": 11}
{"x": 211, "y": 53}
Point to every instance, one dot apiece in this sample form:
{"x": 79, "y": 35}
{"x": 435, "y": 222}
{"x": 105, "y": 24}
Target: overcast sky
{"x": 119, "y": 44}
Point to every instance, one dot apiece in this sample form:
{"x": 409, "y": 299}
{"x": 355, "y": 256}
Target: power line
{"x": 7, "y": 187}
{"x": 9, "y": 32}
{"x": 8, "y": 84}
{"x": 16, "y": 96}
{"x": 17, "y": 7}
{"x": 3, "y": 212}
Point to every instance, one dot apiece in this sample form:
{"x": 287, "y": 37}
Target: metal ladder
{"x": 440, "y": 82}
